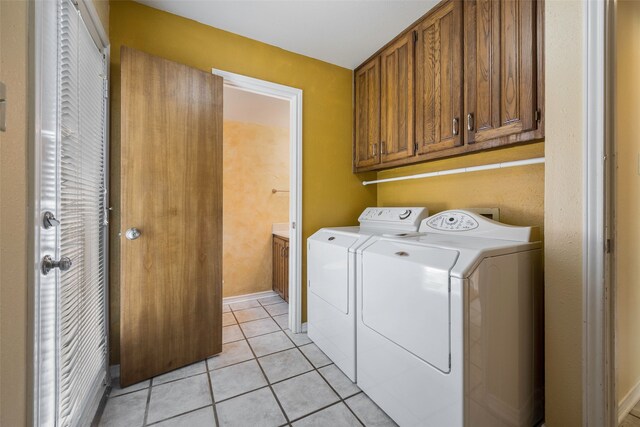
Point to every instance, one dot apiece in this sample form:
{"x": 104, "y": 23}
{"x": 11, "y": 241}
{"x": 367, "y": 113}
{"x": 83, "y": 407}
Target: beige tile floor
{"x": 265, "y": 376}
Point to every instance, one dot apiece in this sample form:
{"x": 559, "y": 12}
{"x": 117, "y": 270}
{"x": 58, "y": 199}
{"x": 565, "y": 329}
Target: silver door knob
{"x": 49, "y": 264}
{"x": 132, "y": 233}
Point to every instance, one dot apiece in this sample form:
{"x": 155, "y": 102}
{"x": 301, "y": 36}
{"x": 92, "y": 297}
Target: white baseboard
{"x": 628, "y": 402}
{"x": 249, "y": 297}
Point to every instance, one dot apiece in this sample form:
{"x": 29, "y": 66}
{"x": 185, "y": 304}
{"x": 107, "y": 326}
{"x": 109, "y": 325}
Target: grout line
{"x": 213, "y": 400}
{"x": 146, "y": 408}
{"x": 179, "y": 415}
{"x": 286, "y": 417}
{"x": 341, "y": 400}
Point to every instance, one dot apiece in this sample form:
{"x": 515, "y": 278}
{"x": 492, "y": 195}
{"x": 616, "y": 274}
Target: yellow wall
{"x": 255, "y": 160}
{"x": 564, "y": 140}
{"x": 518, "y": 192}
{"x": 627, "y": 208}
{"x": 14, "y": 66}
{"x": 332, "y": 195}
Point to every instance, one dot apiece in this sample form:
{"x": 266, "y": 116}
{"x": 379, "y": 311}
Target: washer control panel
{"x": 453, "y": 221}
{"x": 393, "y": 217}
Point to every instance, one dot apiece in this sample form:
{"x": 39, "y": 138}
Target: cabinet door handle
{"x": 382, "y": 147}
{"x": 455, "y": 126}
{"x": 374, "y": 151}
{"x": 470, "y": 121}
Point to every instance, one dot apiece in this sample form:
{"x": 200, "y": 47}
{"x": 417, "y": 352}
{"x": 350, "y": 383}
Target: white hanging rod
{"x": 274, "y": 191}
{"x": 533, "y": 161}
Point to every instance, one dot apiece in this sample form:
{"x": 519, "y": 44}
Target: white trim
{"x": 94, "y": 24}
{"x": 294, "y": 96}
{"x": 502, "y": 165}
{"x": 595, "y": 335}
{"x": 248, "y": 297}
{"x": 628, "y": 402}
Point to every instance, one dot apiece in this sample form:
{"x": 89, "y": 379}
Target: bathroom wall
{"x": 627, "y": 200}
{"x": 256, "y": 160}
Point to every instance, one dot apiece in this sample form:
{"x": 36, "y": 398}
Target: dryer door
{"x": 406, "y": 297}
{"x": 328, "y": 267}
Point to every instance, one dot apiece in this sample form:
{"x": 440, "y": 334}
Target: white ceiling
{"x": 340, "y": 32}
{"x": 243, "y": 106}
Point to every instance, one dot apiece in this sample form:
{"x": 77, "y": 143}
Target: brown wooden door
{"x": 396, "y": 101}
{"x": 367, "y": 114}
{"x": 439, "y": 91}
{"x": 171, "y": 190}
{"x": 500, "y": 70}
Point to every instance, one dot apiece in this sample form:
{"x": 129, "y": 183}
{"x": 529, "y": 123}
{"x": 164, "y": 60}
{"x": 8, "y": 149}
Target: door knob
{"x": 132, "y": 233}
{"x": 49, "y": 264}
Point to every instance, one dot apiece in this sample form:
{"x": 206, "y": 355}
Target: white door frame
{"x": 294, "y": 96}
{"x": 599, "y": 406}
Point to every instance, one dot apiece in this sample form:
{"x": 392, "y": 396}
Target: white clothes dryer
{"x": 331, "y": 281}
{"x": 449, "y": 324}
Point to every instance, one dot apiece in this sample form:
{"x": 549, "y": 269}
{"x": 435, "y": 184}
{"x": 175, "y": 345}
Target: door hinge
{"x": 538, "y": 115}
{"x": 607, "y": 246}
{"x": 293, "y": 225}
{"x": 415, "y": 36}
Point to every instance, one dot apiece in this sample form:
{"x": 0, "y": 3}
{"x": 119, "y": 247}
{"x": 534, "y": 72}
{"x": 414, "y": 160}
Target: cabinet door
{"x": 285, "y": 267}
{"x": 500, "y": 71}
{"x": 396, "y": 102}
{"x": 439, "y": 90}
{"x": 367, "y": 114}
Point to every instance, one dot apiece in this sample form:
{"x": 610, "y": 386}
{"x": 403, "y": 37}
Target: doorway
{"x": 244, "y": 87}
{"x": 625, "y": 205}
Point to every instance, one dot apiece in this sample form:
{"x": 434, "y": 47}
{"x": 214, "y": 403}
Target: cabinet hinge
{"x": 538, "y": 115}
{"x": 415, "y": 36}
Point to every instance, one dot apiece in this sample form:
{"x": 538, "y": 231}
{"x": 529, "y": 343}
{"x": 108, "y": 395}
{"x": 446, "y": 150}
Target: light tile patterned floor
{"x": 265, "y": 376}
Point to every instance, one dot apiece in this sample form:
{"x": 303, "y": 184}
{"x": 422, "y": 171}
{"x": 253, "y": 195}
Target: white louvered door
{"x": 71, "y": 335}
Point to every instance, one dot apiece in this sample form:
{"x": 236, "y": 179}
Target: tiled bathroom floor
{"x": 265, "y": 376}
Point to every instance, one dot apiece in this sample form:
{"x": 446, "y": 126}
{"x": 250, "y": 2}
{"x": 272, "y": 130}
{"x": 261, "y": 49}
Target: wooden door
{"x": 396, "y": 101}
{"x": 171, "y": 191}
{"x": 367, "y": 114}
{"x": 439, "y": 91}
{"x": 500, "y": 71}
{"x": 280, "y": 275}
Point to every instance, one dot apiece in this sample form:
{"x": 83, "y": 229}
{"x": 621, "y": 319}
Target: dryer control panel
{"x": 452, "y": 221}
{"x": 408, "y": 218}
{"x": 469, "y": 224}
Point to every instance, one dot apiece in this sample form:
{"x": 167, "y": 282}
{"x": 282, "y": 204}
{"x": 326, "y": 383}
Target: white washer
{"x": 449, "y": 325}
{"x": 331, "y": 282}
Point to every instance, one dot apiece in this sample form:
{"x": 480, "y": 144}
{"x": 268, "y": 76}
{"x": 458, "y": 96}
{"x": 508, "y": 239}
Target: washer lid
{"x": 406, "y": 297}
{"x": 328, "y": 266}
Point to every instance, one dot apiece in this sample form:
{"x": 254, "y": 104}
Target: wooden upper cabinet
{"x": 396, "y": 102}
{"x": 367, "y": 114}
{"x": 439, "y": 88}
{"x": 501, "y": 69}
